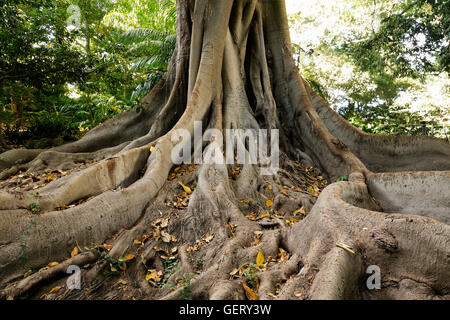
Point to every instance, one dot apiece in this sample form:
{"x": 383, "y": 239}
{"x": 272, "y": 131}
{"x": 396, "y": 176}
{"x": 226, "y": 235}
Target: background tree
{"x": 380, "y": 64}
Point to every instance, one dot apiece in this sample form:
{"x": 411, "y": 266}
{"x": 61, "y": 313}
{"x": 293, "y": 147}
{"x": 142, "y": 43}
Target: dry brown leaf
{"x": 250, "y": 293}
{"x": 107, "y": 246}
{"x": 165, "y": 237}
{"x": 122, "y": 282}
{"x": 126, "y": 258}
{"x": 298, "y": 294}
{"x": 208, "y": 237}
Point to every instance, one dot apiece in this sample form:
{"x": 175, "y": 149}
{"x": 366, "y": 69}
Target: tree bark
{"x": 232, "y": 68}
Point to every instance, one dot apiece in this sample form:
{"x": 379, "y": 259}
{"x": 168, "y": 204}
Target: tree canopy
{"x": 382, "y": 65}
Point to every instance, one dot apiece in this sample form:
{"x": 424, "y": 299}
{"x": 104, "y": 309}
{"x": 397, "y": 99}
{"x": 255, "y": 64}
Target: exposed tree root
{"x": 195, "y": 232}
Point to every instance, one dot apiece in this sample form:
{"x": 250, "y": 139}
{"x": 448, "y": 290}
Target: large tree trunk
{"x": 232, "y": 68}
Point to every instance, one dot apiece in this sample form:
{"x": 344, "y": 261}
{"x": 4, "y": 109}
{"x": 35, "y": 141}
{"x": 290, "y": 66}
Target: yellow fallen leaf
{"x": 269, "y": 187}
{"x": 284, "y": 192}
{"x": 55, "y": 289}
{"x": 27, "y": 274}
{"x": 74, "y": 252}
{"x": 259, "y": 259}
{"x": 186, "y": 188}
{"x": 122, "y": 282}
{"x": 152, "y": 148}
{"x": 52, "y": 264}
{"x": 300, "y": 211}
{"x": 250, "y": 293}
{"x": 10, "y": 298}
{"x": 49, "y": 178}
{"x": 269, "y": 203}
{"x": 154, "y": 275}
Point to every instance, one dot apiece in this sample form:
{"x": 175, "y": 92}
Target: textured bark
{"x": 233, "y": 68}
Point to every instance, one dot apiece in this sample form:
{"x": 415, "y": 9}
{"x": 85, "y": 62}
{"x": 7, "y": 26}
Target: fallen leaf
{"x": 269, "y": 203}
{"x": 298, "y": 294}
{"x": 74, "y": 252}
{"x": 259, "y": 259}
{"x": 55, "y": 289}
{"x": 250, "y": 293}
{"x": 126, "y": 258}
{"x": 27, "y": 274}
{"x": 154, "y": 276}
{"x": 152, "y": 148}
{"x": 284, "y": 192}
{"x": 207, "y": 238}
{"x": 122, "y": 282}
{"x": 186, "y": 188}
{"x": 300, "y": 211}
{"x": 52, "y": 264}
{"x": 165, "y": 237}
{"x": 269, "y": 187}
{"x": 107, "y": 246}
{"x": 345, "y": 247}
{"x": 234, "y": 272}
{"x": 164, "y": 222}
{"x": 10, "y": 298}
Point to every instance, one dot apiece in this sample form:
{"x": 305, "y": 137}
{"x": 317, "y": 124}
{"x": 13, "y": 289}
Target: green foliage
{"x": 250, "y": 275}
{"x": 171, "y": 267}
{"x": 186, "y": 292}
{"x": 382, "y": 65}
{"x": 69, "y": 80}
{"x": 35, "y": 207}
{"x": 343, "y": 178}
